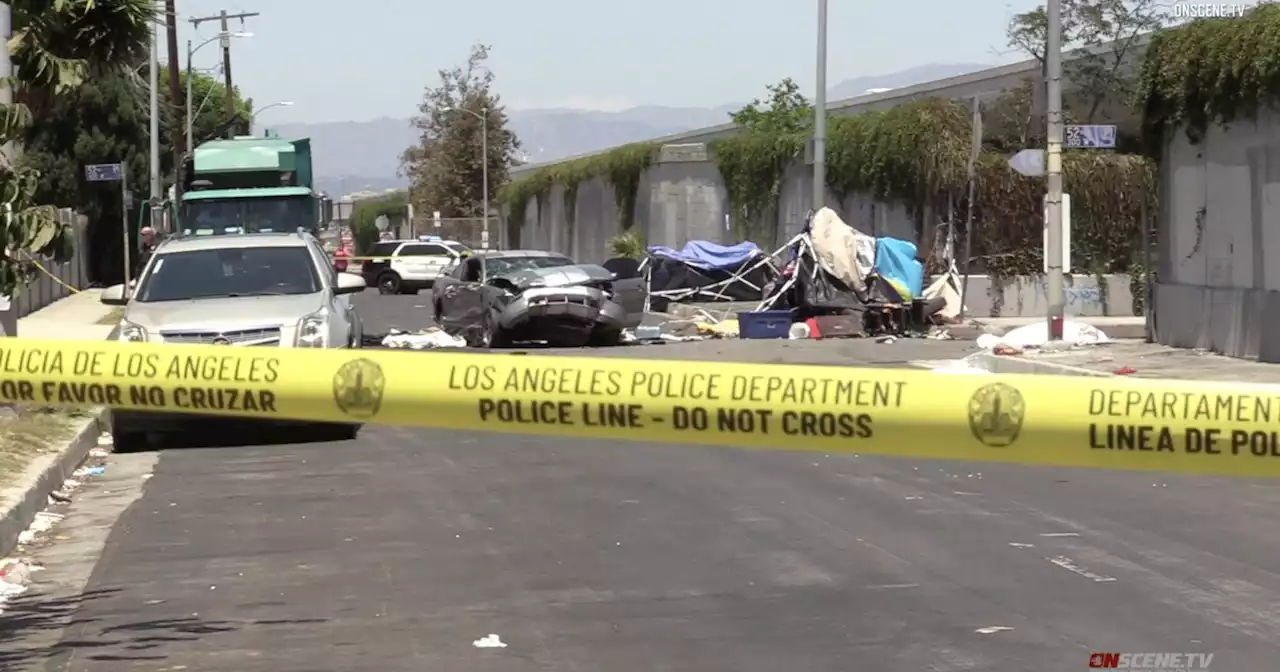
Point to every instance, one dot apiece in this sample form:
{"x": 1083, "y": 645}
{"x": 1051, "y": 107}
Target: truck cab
{"x": 250, "y": 185}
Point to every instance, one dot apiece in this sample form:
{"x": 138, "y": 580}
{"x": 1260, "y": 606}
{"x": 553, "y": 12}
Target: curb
{"x": 45, "y": 476}
{"x": 1022, "y": 365}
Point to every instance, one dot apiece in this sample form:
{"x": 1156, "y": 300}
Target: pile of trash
{"x": 423, "y": 339}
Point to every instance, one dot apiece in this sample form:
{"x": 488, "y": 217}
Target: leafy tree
{"x": 56, "y": 45}
{"x": 364, "y": 229}
{"x": 106, "y": 120}
{"x": 445, "y": 168}
{"x": 784, "y": 112}
{"x": 1109, "y": 34}
{"x": 208, "y": 97}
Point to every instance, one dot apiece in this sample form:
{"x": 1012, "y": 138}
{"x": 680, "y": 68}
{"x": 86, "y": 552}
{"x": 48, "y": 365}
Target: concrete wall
{"x": 1219, "y": 223}
{"x": 682, "y": 198}
{"x": 1027, "y": 296}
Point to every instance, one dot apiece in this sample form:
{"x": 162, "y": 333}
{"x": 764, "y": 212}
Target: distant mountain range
{"x": 353, "y": 156}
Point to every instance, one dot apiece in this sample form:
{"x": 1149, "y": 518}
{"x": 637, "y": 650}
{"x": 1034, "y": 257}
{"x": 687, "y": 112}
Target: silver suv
{"x": 261, "y": 289}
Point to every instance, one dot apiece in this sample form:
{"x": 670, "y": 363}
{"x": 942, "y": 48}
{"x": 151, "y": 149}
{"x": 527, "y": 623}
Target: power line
{"x": 223, "y": 17}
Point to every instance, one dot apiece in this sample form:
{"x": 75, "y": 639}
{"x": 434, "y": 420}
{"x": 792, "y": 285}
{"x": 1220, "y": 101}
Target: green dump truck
{"x": 249, "y": 185}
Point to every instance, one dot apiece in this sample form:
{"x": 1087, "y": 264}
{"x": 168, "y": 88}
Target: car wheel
{"x": 388, "y": 283}
{"x": 491, "y": 335}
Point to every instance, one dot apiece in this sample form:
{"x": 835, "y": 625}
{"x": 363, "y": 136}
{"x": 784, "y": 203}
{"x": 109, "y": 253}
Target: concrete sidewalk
{"x": 1137, "y": 359}
{"x": 75, "y": 317}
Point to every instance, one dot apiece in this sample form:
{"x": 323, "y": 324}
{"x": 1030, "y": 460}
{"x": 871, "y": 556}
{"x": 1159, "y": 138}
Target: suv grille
{"x": 261, "y": 336}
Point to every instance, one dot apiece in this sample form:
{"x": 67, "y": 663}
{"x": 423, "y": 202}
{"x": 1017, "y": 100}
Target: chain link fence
{"x": 466, "y": 230}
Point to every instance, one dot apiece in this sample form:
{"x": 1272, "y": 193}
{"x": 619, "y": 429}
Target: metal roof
{"x": 256, "y": 192}
{"x": 231, "y": 241}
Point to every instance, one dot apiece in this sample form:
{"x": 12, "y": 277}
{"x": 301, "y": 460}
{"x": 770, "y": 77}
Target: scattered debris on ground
{"x": 16, "y": 571}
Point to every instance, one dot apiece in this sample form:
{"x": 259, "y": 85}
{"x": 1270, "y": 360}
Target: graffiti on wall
{"x": 1081, "y": 298}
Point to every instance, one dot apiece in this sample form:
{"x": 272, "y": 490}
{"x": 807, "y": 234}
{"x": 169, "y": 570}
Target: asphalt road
{"x": 400, "y": 550}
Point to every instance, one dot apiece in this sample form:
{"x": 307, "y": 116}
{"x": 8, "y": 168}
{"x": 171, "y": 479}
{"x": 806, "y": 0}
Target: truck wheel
{"x": 388, "y": 283}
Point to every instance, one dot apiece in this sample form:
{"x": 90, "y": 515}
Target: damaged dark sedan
{"x": 495, "y": 299}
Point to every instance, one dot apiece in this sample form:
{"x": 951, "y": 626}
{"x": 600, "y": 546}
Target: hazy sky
{"x": 363, "y": 60}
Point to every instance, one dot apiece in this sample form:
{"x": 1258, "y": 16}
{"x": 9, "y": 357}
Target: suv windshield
{"x": 229, "y": 272}
{"x": 254, "y": 215}
{"x": 501, "y": 265}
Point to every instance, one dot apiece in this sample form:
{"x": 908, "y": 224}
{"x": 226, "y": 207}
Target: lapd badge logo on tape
{"x": 358, "y": 387}
{"x": 996, "y": 412}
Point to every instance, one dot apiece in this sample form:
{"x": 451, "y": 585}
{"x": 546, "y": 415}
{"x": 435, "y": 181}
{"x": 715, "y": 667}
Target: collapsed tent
{"x": 836, "y": 269}
{"x": 706, "y": 271}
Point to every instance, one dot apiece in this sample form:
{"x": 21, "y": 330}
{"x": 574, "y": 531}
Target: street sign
{"x": 382, "y": 223}
{"x": 1028, "y": 163}
{"x": 1095, "y": 136}
{"x": 104, "y": 172}
{"x": 435, "y": 218}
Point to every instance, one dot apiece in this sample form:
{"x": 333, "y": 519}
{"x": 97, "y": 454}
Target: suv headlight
{"x": 312, "y": 331}
{"x": 132, "y": 333}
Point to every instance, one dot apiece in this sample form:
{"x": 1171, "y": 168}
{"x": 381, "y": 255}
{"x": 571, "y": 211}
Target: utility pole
{"x": 153, "y": 74}
{"x": 1053, "y": 161}
{"x": 820, "y": 115}
{"x": 175, "y": 95}
{"x": 223, "y": 17}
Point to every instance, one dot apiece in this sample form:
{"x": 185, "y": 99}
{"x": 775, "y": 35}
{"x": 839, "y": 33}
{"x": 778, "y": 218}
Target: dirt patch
{"x": 112, "y": 317}
{"x": 32, "y": 433}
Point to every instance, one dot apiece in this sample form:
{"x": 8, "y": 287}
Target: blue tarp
{"x": 896, "y": 262}
{"x": 709, "y": 256}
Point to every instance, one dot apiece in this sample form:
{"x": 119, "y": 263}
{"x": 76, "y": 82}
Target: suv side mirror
{"x": 349, "y": 283}
{"x": 115, "y": 295}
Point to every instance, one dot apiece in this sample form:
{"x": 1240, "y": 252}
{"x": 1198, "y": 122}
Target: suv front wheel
{"x": 389, "y": 283}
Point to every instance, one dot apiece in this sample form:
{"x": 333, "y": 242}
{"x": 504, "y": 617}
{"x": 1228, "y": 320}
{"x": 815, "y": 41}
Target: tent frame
{"x": 715, "y": 290}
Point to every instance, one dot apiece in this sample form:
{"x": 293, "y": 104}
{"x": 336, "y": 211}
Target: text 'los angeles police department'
{"x": 695, "y": 402}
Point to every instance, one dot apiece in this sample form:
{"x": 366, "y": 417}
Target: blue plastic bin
{"x": 765, "y": 324}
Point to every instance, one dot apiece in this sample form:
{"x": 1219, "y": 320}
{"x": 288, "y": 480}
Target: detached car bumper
{"x": 586, "y": 305}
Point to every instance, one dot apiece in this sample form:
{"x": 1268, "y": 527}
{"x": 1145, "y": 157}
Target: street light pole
{"x": 483, "y": 116}
{"x": 1053, "y": 172}
{"x": 264, "y": 108}
{"x": 153, "y": 77}
{"x": 484, "y": 176}
{"x": 224, "y": 36}
{"x": 820, "y": 115}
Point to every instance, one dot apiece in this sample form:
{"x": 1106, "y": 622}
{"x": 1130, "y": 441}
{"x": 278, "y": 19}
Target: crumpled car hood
{"x": 559, "y": 276}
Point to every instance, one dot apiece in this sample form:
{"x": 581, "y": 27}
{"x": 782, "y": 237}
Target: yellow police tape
{"x": 1119, "y": 423}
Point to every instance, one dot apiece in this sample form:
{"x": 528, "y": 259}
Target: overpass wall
{"x": 682, "y": 198}
{"x": 1219, "y": 224}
